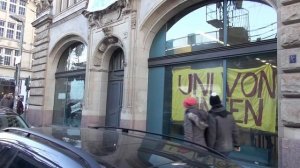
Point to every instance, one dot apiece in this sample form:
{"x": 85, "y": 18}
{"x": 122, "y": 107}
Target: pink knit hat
{"x": 189, "y": 101}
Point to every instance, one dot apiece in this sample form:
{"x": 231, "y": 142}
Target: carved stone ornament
{"x": 107, "y": 31}
{"x": 111, "y": 14}
{"x": 42, "y": 5}
{"x": 98, "y": 58}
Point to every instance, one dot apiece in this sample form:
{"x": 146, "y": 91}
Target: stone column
{"x": 36, "y": 115}
{"x": 289, "y": 83}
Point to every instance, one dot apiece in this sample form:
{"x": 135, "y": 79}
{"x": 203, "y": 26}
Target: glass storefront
{"x": 243, "y": 73}
{"x": 251, "y": 95}
{"x": 69, "y": 86}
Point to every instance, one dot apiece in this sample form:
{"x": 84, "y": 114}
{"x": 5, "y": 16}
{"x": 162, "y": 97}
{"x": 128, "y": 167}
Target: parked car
{"x": 8, "y": 118}
{"x": 103, "y": 147}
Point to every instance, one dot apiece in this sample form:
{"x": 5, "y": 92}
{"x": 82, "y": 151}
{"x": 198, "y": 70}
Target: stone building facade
{"x": 122, "y": 59}
{"x": 10, "y": 37}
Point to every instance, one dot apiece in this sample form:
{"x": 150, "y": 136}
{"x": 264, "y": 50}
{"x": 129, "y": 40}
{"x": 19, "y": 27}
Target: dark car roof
{"x": 114, "y": 148}
{"x": 58, "y": 152}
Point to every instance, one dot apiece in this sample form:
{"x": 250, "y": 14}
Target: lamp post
{"x": 18, "y": 65}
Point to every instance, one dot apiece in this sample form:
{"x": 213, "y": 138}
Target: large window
{"x": 62, "y": 5}
{"x": 21, "y": 10}
{"x": 7, "y": 56}
{"x": 69, "y": 87}
{"x": 204, "y": 26}
{"x": 245, "y": 79}
{"x": 2, "y": 5}
{"x": 12, "y": 8}
{"x": 250, "y": 94}
{"x": 2, "y": 26}
{"x": 18, "y": 33}
{"x": 74, "y": 58}
{"x": 10, "y": 30}
{"x": 22, "y": 3}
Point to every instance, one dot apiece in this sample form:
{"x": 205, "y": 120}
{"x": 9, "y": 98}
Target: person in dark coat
{"x": 223, "y": 133}
{"x": 7, "y": 101}
{"x": 195, "y": 122}
{"x": 20, "y": 107}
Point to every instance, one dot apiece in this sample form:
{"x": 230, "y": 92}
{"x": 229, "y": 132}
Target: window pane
{"x": 22, "y": 2}
{"x": 18, "y": 35}
{"x": 2, "y": 23}
{"x": 198, "y": 80}
{"x": 1, "y": 31}
{"x": 10, "y": 25}
{"x": 203, "y": 27}
{"x": 10, "y": 34}
{"x": 17, "y": 53}
{"x": 199, "y": 31}
{"x": 252, "y": 98}
{"x": 24, "y": 161}
{"x": 7, "y": 56}
{"x": 7, "y": 153}
{"x": 8, "y": 51}
{"x": 2, "y": 5}
{"x": 7, "y": 60}
{"x": 11, "y": 121}
{"x": 69, "y": 94}
{"x": 245, "y": 23}
{"x": 12, "y": 8}
{"x": 73, "y": 58}
{"x": 19, "y": 27}
{"x": 21, "y": 11}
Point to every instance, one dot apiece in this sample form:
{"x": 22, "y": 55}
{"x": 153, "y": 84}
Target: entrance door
{"x": 115, "y": 89}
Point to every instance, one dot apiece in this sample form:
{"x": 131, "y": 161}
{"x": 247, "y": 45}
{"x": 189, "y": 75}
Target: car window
{"x": 6, "y": 153}
{"x": 12, "y": 157}
{"x": 24, "y": 161}
{"x": 12, "y": 121}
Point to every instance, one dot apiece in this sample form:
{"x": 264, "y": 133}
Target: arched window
{"x": 205, "y": 27}
{"x": 73, "y": 58}
{"x": 237, "y": 60}
{"x": 69, "y": 86}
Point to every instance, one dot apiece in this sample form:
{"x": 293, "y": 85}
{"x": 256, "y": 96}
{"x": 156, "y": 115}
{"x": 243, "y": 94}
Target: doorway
{"x": 115, "y": 89}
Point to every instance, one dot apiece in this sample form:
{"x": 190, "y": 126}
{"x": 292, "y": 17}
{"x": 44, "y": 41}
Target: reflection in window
{"x": 73, "y": 58}
{"x": 69, "y": 87}
{"x": 251, "y": 95}
{"x": 203, "y": 28}
{"x": 255, "y": 87}
{"x": 11, "y": 121}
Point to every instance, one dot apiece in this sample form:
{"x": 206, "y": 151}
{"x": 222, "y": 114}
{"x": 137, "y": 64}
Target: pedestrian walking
{"x": 195, "y": 121}
{"x": 7, "y": 101}
{"x": 223, "y": 133}
{"x": 20, "y": 107}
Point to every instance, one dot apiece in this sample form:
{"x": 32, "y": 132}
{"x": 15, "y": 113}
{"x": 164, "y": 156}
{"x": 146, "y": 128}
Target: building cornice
{"x": 42, "y": 21}
{"x": 109, "y": 15}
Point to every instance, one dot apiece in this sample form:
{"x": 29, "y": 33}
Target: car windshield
{"x": 117, "y": 149}
{"x": 12, "y": 121}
